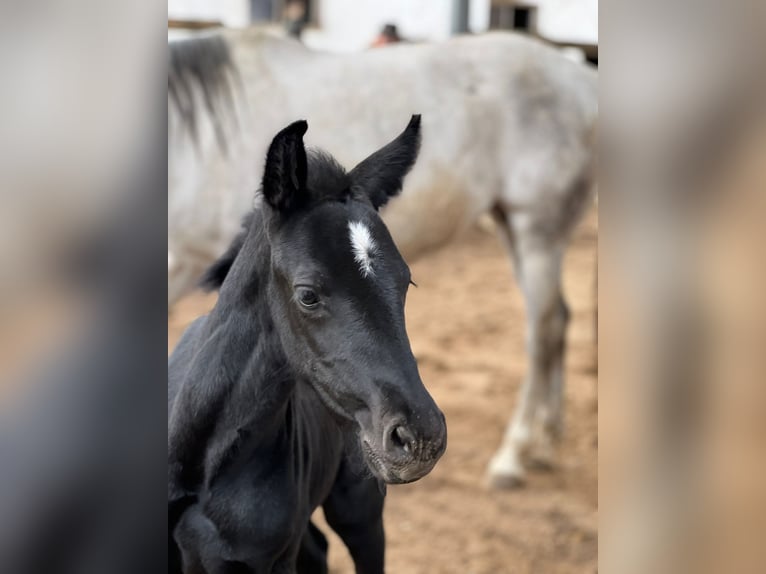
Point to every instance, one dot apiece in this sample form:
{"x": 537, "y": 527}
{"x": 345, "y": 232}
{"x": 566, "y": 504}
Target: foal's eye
{"x": 307, "y": 297}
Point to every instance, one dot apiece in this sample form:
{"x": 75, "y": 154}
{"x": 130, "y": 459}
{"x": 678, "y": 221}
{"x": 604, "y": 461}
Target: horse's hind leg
{"x": 354, "y": 510}
{"x": 551, "y": 409}
{"x": 537, "y": 261}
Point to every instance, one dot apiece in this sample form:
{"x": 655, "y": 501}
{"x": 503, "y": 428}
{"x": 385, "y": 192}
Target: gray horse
{"x": 508, "y": 128}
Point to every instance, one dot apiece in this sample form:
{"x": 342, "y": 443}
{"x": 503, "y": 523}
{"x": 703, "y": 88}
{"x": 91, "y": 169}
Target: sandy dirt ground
{"x": 466, "y": 324}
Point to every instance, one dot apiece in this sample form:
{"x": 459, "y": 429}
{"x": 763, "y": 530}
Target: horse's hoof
{"x": 505, "y": 481}
{"x": 503, "y": 476}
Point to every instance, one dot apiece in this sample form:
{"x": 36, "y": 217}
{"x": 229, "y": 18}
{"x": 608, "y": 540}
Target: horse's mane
{"x": 202, "y": 63}
{"x": 214, "y": 276}
{"x": 327, "y": 181}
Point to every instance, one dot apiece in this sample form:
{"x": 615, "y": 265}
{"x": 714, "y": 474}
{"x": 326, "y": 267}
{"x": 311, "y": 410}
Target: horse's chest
{"x": 322, "y": 471}
{"x": 261, "y": 510}
{"x": 257, "y": 517}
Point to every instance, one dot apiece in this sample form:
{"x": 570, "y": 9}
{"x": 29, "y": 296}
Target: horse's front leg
{"x": 312, "y": 557}
{"x": 200, "y": 547}
{"x": 354, "y": 509}
{"x": 204, "y": 551}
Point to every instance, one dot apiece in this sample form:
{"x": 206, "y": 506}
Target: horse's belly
{"x": 426, "y": 217}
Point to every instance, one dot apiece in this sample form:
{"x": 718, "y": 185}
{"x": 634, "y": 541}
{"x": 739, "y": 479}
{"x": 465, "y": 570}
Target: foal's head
{"x": 337, "y": 286}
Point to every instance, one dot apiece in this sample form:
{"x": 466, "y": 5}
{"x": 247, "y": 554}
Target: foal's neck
{"x": 238, "y": 388}
{"x": 255, "y": 359}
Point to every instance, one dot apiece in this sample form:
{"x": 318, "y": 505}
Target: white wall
{"x": 350, "y": 25}
{"x": 572, "y": 20}
{"x": 235, "y": 13}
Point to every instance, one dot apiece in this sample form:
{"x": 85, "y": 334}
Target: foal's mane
{"x": 327, "y": 181}
{"x": 203, "y": 63}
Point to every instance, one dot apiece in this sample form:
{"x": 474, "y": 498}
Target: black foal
{"x": 299, "y": 389}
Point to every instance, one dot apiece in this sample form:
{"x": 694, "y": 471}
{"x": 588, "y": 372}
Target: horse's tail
{"x": 202, "y": 72}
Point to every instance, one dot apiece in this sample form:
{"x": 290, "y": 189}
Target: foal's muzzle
{"x": 409, "y": 448}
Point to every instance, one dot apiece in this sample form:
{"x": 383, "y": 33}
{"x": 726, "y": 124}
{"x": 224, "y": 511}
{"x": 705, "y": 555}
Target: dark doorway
{"x": 521, "y": 19}
{"x": 513, "y": 16}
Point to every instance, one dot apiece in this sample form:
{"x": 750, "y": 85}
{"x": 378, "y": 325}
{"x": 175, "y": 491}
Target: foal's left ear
{"x": 284, "y": 177}
{"x": 381, "y": 175}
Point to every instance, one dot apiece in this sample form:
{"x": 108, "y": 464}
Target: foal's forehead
{"x": 351, "y": 236}
{"x": 363, "y": 246}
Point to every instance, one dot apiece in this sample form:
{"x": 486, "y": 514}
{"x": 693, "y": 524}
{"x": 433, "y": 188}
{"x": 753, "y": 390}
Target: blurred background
{"x": 348, "y": 25}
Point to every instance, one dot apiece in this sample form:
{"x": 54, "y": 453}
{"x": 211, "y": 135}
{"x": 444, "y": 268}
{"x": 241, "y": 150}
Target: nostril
{"x": 402, "y": 438}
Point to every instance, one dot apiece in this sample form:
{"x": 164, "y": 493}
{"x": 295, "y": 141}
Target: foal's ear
{"x": 284, "y": 177}
{"x": 380, "y": 176}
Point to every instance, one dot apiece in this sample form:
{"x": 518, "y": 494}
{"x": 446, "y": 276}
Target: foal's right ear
{"x": 381, "y": 175}
{"x": 284, "y": 177}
